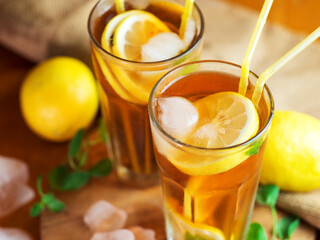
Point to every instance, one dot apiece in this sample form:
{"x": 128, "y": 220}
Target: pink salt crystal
{"x": 103, "y": 217}
{"x": 143, "y": 233}
{"x": 14, "y": 192}
{"x": 121, "y": 234}
{"x": 13, "y": 234}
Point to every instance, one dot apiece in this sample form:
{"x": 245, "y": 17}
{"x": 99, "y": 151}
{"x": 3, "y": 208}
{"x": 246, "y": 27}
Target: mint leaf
{"x": 57, "y": 176}
{"x": 268, "y": 195}
{"x": 53, "y": 204}
{"x": 75, "y": 180}
{"x": 39, "y": 185}
{"x": 83, "y": 157}
{"x": 286, "y": 226}
{"x": 102, "y": 168}
{"x": 189, "y": 236}
{"x": 36, "y": 209}
{"x": 103, "y": 131}
{"x": 256, "y": 232}
{"x": 255, "y": 148}
{"x": 75, "y": 144}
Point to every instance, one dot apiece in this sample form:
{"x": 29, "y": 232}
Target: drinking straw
{"x": 252, "y": 45}
{"x": 281, "y": 62}
{"x": 187, "y": 12}
{"x": 120, "y": 6}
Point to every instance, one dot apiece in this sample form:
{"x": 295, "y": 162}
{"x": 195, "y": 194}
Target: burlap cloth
{"x": 40, "y": 29}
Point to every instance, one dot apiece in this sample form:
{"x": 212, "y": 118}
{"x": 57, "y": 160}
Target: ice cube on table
{"x": 177, "y": 116}
{"x": 13, "y": 234}
{"x": 143, "y": 233}
{"x": 14, "y": 191}
{"x": 162, "y": 46}
{"x": 121, "y": 234}
{"x": 102, "y": 216}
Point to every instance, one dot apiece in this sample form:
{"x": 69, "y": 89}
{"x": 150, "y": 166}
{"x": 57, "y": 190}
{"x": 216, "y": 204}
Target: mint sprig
{"x": 283, "y": 229}
{"x": 47, "y": 200}
{"x": 74, "y": 175}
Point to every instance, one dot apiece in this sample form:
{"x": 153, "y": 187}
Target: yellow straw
{"x": 120, "y": 6}
{"x": 281, "y": 62}
{"x": 187, "y": 12}
{"x": 252, "y": 45}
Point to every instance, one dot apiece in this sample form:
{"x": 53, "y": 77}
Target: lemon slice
{"x": 225, "y": 119}
{"x": 191, "y": 230}
{"x": 134, "y": 31}
{"x": 106, "y": 37}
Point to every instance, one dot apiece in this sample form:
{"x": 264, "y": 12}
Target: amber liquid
{"x": 223, "y": 201}
{"x": 127, "y": 121}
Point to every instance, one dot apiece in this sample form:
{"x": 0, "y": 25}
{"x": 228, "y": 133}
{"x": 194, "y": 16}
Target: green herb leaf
{"x": 286, "y": 226}
{"x": 83, "y": 157}
{"x": 75, "y": 180}
{"x": 103, "y": 131}
{"x": 39, "y": 184}
{"x": 189, "y": 236}
{"x": 75, "y": 144}
{"x": 36, "y": 209}
{"x": 53, "y": 204}
{"x": 57, "y": 176}
{"x": 268, "y": 195}
{"x": 256, "y": 232}
{"x": 102, "y": 168}
{"x": 255, "y": 148}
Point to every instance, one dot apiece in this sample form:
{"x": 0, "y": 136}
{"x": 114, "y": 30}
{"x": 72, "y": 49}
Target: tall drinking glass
{"x": 125, "y": 87}
{"x": 208, "y": 193}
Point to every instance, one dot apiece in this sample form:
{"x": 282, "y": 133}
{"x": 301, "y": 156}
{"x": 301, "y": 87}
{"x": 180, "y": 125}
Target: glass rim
{"x": 183, "y": 144}
{"x": 100, "y": 48}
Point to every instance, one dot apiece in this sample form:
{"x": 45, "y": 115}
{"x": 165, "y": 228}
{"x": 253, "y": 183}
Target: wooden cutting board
{"x": 144, "y": 208}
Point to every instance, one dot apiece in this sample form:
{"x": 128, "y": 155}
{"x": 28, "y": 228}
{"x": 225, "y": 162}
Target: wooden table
{"x": 17, "y": 141}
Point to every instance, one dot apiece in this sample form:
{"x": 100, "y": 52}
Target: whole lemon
{"x": 58, "y": 97}
{"x": 292, "y": 155}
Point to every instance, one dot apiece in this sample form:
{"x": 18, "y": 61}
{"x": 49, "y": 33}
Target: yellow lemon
{"x": 292, "y": 155}
{"x": 58, "y": 97}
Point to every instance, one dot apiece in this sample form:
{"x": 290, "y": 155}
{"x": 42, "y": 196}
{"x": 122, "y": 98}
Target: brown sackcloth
{"x": 306, "y": 205}
{"x": 38, "y": 29}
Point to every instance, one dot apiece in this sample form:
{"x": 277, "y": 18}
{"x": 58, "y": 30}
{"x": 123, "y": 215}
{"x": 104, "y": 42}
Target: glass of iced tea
{"x": 130, "y": 52}
{"x": 209, "y": 142}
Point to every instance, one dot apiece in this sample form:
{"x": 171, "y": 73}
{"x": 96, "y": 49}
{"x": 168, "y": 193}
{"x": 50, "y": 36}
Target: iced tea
{"x": 208, "y": 192}
{"x": 125, "y": 85}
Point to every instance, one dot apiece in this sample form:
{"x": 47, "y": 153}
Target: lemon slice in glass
{"x": 225, "y": 119}
{"x": 134, "y": 31}
{"x": 185, "y": 229}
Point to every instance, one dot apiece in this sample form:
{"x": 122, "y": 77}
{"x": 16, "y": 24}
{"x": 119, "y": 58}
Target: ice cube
{"x": 177, "y": 116}
{"x": 162, "y": 46}
{"x": 143, "y": 233}
{"x": 121, "y": 234}
{"x": 189, "y": 33}
{"x": 103, "y": 217}
{"x": 14, "y": 192}
{"x": 13, "y": 234}
{"x": 12, "y": 169}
